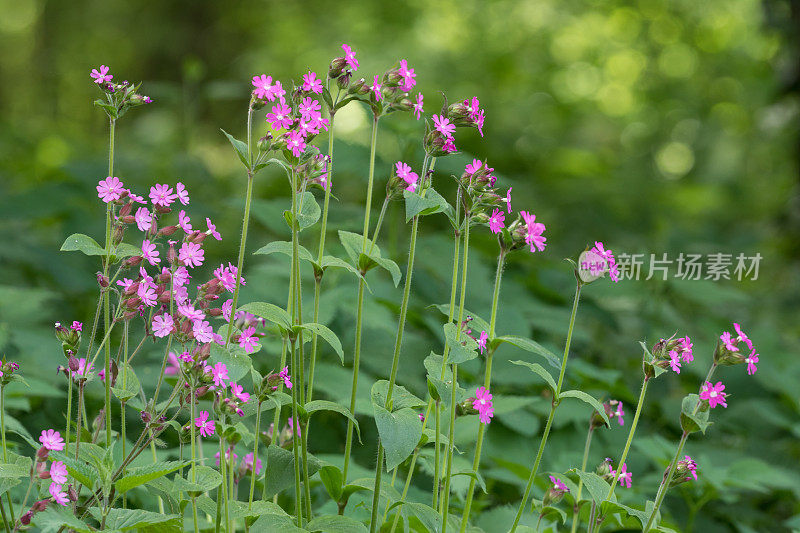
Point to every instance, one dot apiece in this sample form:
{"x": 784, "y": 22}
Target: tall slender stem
{"x": 69, "y": 414}
{"x": 553, "y": 407}
{"x": 122, "y": 423}
{"x": 255, "y": 457}
{"x": 486, "y": 383}
{"x": 107, "y": 366}
{"x": 192, "y": 402}
{"x": 624, "y": 456}
{"x": 360, "y": 302}
{"x": 576, "y": 507}
{"x": 5, "y": 448}
{"x": 295, "y": 428}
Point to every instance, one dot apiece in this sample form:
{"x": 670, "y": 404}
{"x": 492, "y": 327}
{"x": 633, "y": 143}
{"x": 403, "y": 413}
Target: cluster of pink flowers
{"x": 681, "y": 353}
{"x": 405, "y": 173}
{"x": 534, "y": 231}
{"x": 714, "y": 394}
{"x": 483, "y": 404}
{"x": 732, "y": 343}
{"x": 103, "y": 79}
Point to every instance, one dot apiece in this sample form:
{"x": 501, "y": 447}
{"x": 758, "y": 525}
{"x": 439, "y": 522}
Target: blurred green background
{"x": 656, "y": 126}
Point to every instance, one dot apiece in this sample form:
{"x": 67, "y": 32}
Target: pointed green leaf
{"x": 239, "y": 146}
{"x": 587, "y": 398}
{"x": 325, "y": 405}
{"x": 399, "y": 432}
{"x": 530, "y": 346}
{"x": 328, "y": 335}
{"x": 271, "y": 312}
{"x": 693, "y": 419}
{"x": 78, "y": 242}
{"x": 143, "y": 474}
{"x": 540, "y": 371}
{"x": 336, "y": 524}
{"x": 461, "y": 349}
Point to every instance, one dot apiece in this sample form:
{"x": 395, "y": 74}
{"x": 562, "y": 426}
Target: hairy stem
{"x": 576, "y": 508}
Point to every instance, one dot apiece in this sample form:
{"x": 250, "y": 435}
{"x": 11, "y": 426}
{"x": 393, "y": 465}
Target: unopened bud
{"x": 39, "y": 506}
{"x": 26, "y": 518}
{"x": 336, "y": 67}
{"x": 163, "y": 209}
{"x": 133, "y": 261}
{"x": 102, "y": 279}
{"x": 74, "y": 364}
{"x": 166, "y": 231}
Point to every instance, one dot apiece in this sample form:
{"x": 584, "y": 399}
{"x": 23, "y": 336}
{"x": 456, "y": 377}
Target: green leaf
{"x": 326, "y": 95}
{"x": 417, "y": 204}
{"x": 401, "y": 398}
{"x": 234, "y": 357}
{"x": 529, "y": 346}
{"x": 239, "y": 146}
{"x": 328, "y": 335}
{"x": 123, "y": 250}
{"x": 285, "y": 248}
{"x": 78, "y": 242}
{"x": 143, "y": 474}
{"x": 336, "y": 524}
{"x": 549, "y": 511}
{"x": 308, "y": 214}
{"x": 55, "y": 517}
{"x": 332, "y": 479}
{"x": 128, "y": 519}
{"x": 474, "y": 475}
{"x": 280, "y": 470}
{"x": 461, "y": 349}
{"x": 271, "y": 312}
{"x": 399, "y": 432}
{"x": 433, "y": 363}
{"x": 431, "y": 519}
{"x": 78, "y": 469}
{"x": 598, "y": 487}
{"x": 692, "y": 421}
{"x": 353, "y": 244}
{"x": 275, "y": 523}
{"x": 127, "y": 384}
{"x": 325, "y": 405}
{"x": 587, "y": 398}
{"x": 539, "y": 370}
{"x": 207, "y": 479}
{"x": 17, "y": 467}
{"x": 329, "y": 261}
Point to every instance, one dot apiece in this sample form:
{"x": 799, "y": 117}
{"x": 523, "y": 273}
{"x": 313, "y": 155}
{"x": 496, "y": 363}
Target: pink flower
{"x": 227, "y": 307}
{"x": 742, "y": 336}
{"x": 150, "y": 253}
{"x": 280, "y": 117}
{"x": 308, "y": 107}
{"x": 191, "y": 254}
{"x": 277, "y": 92}
{"x": 625, "y": 477}
{"x": 202, "y": 331}
{"x": 147, "y": 294}
{"x": 418, "y": 106}
{"x": 51, "y": 440}
{"x": 184, "y": 222}
{"x": 58, "y": 472}
{"x": 248, "y": 340}
{"x": 135, "y": 197}
{"x": 206, "y": 426}
{"x": 227, "y": 456}
{"x": 183, "y": 195}
{"x": 535, "y": 229}
{"x": 295, "y": 143}
{"x": 220, "y": 373}
{"x": 110, "y": 189}
{"x": 163, "y": 325}
{"x": 143, "y": 218}
{"x": 421, "y": 417}
{"x": 186, "y": 357}
{"x": 180, "y": 277}
{"x": 497, "y": 221}
{"x": 174, "y": 366}
{"x": 59, "y": 496}
{"x": 619, "y": 413}
{"x": 76, "y": 326}
{"x": 83, "y": 371}
{"x": 691, "y": 466}
{"x": 376, "y": 88}
{"x": 508, "y": 199}
{"x": 263, "y": 87}
{"x": 482, "y": 341}
{"x": 350, "y": 57}
{"x": 248, "y": 463}
{"x": 311, "y": 83}
{"x": 685, "y": 349}
{"x": 191, "y": 313}
{"x": 483, "y": 404}
{"x": 102, "y": 75}
{"x": 238, "y": 392}
{"x": 449, "y": 145}
{"x": 443, "y": 125}
{"x": 161, "y": 194}
{"x": 212, "y": 230}
{"x": 558, "y": 484}
{"x": 727, "y": 340}
{"x": 473, "y": 167}
{"x": 713, "y": 394}
{"x": 675, "y": 361}
{"x": 407, "y": 75}
{"x": 751, "y": 362}
{"x": 287, "y": 379}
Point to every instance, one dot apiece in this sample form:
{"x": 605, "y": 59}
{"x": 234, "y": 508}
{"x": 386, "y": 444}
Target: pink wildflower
{"x": 443, "y": 125}
{"x": 180, "y": 277}
{"x": 535, "y": 229}
{"x": 76, "y": 326}
{"x": 497, "y": 221}
{"x": 174, "y": 366}
{"x": 280, "y": 117}
{"x": 625, "y": 477}
{"x": 163, "y": 325}
{"x": 619, "y": 413}
{"x": 102, "y": 75}
{"x": 558, "y": 484}
{"x": 51, "y": 440}
{"x": 376, "y": 88}
{"x": 110, "y": 189}
{"x": 309, "y": 107}
{"x": 183, "y": 194}
{"x": 751, "y": 362}
{"x": 191, "y": 254}
{"x": 295, "y": 143}
{"x": 418, "y": 106}
{"x": 191, "y": 313}
{"x": 473, "y": 167}
{"x": 727, "y": 340}
{"x": 742, "y": 336}
{"x": 311, "y": 83}
{"x": 202, "y": 331}
{"x": 482, "y": 341}
{"x": 227, "y": 456}
{"x": 685, "y": 349}
{"x": 263, "y": 87}
{"x": 58, "y": 472}
{"x": 248, "y": 340}
{"x": 714, "y": 394}
{"x": 483, "y": 404}
{"x": 294, "y": 427}
{"x": 248, "y": 463}
{"x": 212, "y": 230}
{"x": 150, "y": 253}
{"x": 407, "y": 75}
{"x": 238, "y": 392}
{"x": 350, "y": 57}
{"x": 59, "y": 496}
{"x": 287, "y": 379}
{"x": 206, "y": 426}
{"x": 508, "y": 199}
{"x": 220, "y": 373}
{"x": 83, "y": 371}
{"x": 143, "y": 218}
{"x": 675, "y": 361}
{"x": 147, "y": 294}
{"x": 161, "y": 194}
{"x": 184, "y": 222}
{"x": 135, "y": 197}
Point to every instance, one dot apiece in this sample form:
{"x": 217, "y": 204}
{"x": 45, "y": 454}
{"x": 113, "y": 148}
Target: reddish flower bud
{"x": 26, "y": 518}
{"x": 164, "y": 297}
{"x": 102, "y": 280}
{"x": 133, "y": 261}
{"x": 216, "y": 311}
{"x": 128, "y": 219}
{"x": 125, "y": 210}
{"x": 163, "y": 209}
{"x": 41, "y": 505}
{"x": 166, "y": 231}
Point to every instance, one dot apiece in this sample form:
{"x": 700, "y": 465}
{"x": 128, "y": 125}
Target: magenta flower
{"x": 161, "y": 194}
{"x": 110, "y": 189}
{"x": 473, "y": 167}
{"x": 180, "y": 277}
{"x": 186, "y": 357}
{"x": 51, "y": 440}
{"x": 558, "y": 484}
{"x": 183, "y": 194}
{"x": 173, "y": 365}
{"x": 102, "y": 75}
{"x": 280, "y": 117}
{"x": 147, "y": 294}
{"x": 59, "y": 496}
{"x": 143, "y": 218}
{"x": 407, "y": 75}
{"x": 202, "y": 331}
{"x": 163, "y": 325}
{"x": 248, "y": 463}
{"x": 150, "y": 253}
{"x": 206, "y": 426}
{"x": 191, "y": 254}
{"x": 220, "y": 373}
{"x": 350, "y": 57}
{"x": 421, "y": 417}
{"x": 534, "y": 236}
{"x": 184, "y": 222}
{"x": 689, "y": 465}
{"x": 625, "y": 477}
{"x": 713, "y": 394}
{"x": 685, "y": 349}
{"x": 483, "y": 404}
{"x": 751, "y": 362}
{"x": 238, "y": 393}
{"x": 482, "y": 341}
{"x": 619, "y": 413}
{"x": 135, "y": 197}
{"x": 248, "y": 340}
{"x": 508, "y": 199}
{"x": 675, "y": 361}
{"x": 58, "y": 472}
{"x": 497, "y": 221}
{"x": 76, "y": 326}
{"x": 311, "y": 83}
{"x": 418, "y": 110}
{"x": 376, "y": 88}
{"x": 83, "y": 371}
{"x": 741, "y": 336}
{"x": 191, "y": 313}
{"x": 443, "y": 125}
{"x": 309, "y": 108}
{"x": 263, "y": 87}
{"x": 727, "y": 340}
{"x": 287, "y": 379}
{"x": 295, "y": 143}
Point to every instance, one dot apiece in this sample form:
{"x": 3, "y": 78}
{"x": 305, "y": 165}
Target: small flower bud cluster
{"x": 7, "y": 370}
{"x": 729, "y": 350}
{"x": 119, "y": 96}
{"x": 70, "y": 338}
{"x": 555, "y": 493}
{"x": 402, "y": 179}
{"x": 612, "y": 408}
{"x": 670, "y": 353}
{"x": 685, "y": 470}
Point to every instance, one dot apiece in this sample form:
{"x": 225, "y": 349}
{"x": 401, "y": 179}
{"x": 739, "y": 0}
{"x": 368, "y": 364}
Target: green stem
{"x": 294, "y": 427}
{"x": 486, "y": 382}
{"x": 553, "y": 407}
{"x": 122, "y": 422}
{"x": 5, "y": 449}
{"x": 223, "y": 466}
{"x": 360, "y": 304}
{"x": 106, "y": 318}
{"x": 194, "y": 453}
{"x": 576, "y": 507}
{"x": 255, "y": 458}
{"x": 635, "y": 423}
{"x": 436, "y": 454}
{"x": 69, "y": 414}
{"x": 78, "y": 430}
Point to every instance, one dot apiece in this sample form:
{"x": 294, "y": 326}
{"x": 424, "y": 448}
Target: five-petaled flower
{"x": 625, "y": 477}
{"x": 143, "y": 218}
{"x": 110, "y": 189}
{"x": 497, "y": 221}
{"x": 535, "y": 229}
{"x": 558, "y": 484}
{"x": 483, "y": 404}
{"x": 58, "y": 472}
{"x": 206, "y": 426}
{"x": 202, "y": 331}
{"x": 163, "y": 325}
{"x": 59, "y": 496}
{"x": 751, "y": 361}
{"x": 101, "y": 76}
{"x": 263, "y": 87}
{"x": 280, "y": 117}
{"x": 350, "y": 57}
{"x": 287, "y": 379}
{"x": 183, "y": 194}
{"x": 220, "y": 373}
{"x": 311, "y": 83}
{"x": 248, "y": 340}
{"x": 191, "y": 254}
{"x": 212, "y": 230}
{"x": 238, "y": 393}
{"x": 51, "y": 440}
{"x": 248, "y": 463}
{"x": 714, "y": 394}
{"x": 376, "y": 88}
{"x": 150, "y": 253}
{"x": 418, "y": 110}
{"x": 443, "y": 125}
{"x": 482, "y": 341}
{"x": 162, "y": 194}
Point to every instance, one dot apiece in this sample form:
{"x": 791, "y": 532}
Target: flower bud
{"x": 133, "y": 261}
{"x": 39, "y": 506}
{"x": 264, "y": 143}
{"x": 146, "y": 417}
{"x": 166, "y": 231}
{"x": 72, "y": 493}
{"x": 685, "y": 470}
{"x": 119, "y": 233}
{"x": 555, "y": 493}
{"x": 337, "y": 67}
{"x": 127, "y": 219}
{"x": 604, "y": 469}
{"x": 125, "y": 210}
{"x": 42, "y": 454}
{"x": 163, "y": 209}
{"x": 74, "y": 365}
{"x": 344, "y": 80}
{"x": 26, "y": 518}
{"x": 102, "y": 279}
